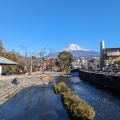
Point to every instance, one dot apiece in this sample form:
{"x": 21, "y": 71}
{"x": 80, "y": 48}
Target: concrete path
{"x": 3, "y": 78}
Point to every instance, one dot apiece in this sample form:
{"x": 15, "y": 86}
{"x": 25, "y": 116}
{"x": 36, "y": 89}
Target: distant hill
{"x": 76, "y": 50}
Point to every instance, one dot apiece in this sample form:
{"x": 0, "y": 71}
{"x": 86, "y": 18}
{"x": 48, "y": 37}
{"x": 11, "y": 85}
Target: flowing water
{"x": 40, "y": 102}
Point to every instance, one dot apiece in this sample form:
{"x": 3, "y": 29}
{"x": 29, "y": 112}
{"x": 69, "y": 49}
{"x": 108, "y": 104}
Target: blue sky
{"x": 36, "y": 24}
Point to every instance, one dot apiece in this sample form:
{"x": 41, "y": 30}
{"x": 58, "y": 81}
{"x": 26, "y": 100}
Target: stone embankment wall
{"x": 8, "y": 90}
{"x": 110, "y": 81}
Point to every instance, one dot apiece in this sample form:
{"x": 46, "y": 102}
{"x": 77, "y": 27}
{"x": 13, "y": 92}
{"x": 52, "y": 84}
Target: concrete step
{"x": 9, "y": 90}
{"x": 10, "y": 94}
{"x": 6, "y": 89}
{"x": 2, "y": 85}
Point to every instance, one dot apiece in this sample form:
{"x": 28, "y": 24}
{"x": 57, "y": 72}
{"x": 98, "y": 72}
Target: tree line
{"x": 35, "y": 59}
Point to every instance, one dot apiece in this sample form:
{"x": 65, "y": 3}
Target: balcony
{"x": 113, "y": 54}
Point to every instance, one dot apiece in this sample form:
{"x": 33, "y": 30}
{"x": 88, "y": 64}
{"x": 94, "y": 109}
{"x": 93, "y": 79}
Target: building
{"x": 5, "y": 61}
{"x": 78, "y": 62}
{"x": 50, "y": 64}
{"x": 94, "y": 63}
{"x": 108, "y": 55}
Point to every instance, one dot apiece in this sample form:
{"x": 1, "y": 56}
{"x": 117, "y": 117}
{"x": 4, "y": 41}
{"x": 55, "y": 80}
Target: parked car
{"x": 107, "y": 69}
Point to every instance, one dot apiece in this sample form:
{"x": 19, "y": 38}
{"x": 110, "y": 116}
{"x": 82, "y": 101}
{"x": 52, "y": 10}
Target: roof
{"x": 110, "y": 48}
{"x": 5, "y": 61}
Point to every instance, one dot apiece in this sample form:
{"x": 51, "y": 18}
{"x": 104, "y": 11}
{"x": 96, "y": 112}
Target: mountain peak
{"x": 74, "y": 47}
{"x": 76, "y": 50}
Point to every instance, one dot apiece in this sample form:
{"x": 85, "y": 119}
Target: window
{"x": 110, "y": 58}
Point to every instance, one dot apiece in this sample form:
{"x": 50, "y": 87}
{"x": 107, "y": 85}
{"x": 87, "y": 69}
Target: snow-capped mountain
{"x": 76, "y": 50}
{"x": 74, "y": 47}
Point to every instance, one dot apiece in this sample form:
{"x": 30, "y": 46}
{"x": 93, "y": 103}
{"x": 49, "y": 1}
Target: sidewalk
{"x": 8, "y": 77}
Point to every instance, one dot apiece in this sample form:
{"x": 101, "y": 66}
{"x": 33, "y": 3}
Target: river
{"x": 40, "y": 102}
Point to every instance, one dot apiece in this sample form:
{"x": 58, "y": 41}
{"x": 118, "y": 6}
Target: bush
{"x": 25, "y": 71}
{"x": 61, "y": 87}
{"x": 77, "y": 108}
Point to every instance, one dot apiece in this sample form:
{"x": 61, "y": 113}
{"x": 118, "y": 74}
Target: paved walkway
{"x": 25, "y": 75}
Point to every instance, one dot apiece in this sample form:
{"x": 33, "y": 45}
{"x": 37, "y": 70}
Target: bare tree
{"x": 1, "y": 45}
{"x": 41, "y": 55}
{"x": 44, "y": 54}
{"x": 28, "y": 58}
{"x": 2, "y": 50}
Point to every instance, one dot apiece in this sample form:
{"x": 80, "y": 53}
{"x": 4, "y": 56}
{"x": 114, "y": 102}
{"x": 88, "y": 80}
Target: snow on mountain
{"x": 76, "y": 50}
{"x": 74, "y": 47}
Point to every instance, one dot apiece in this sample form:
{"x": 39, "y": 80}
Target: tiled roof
{"x": 5, "y": 61}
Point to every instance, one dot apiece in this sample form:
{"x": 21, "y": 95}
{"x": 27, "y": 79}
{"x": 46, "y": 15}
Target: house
{"x": 5, "y": 61}
{"x": 108, "y": 55}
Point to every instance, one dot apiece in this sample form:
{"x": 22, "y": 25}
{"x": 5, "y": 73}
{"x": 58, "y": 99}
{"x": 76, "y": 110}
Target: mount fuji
{"x": 74, "y": 47}
{"x": 76, "y": 51}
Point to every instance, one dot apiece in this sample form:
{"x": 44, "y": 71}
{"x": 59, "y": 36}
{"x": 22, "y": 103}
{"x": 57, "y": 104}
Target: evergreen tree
{"x": 64, "y": 61}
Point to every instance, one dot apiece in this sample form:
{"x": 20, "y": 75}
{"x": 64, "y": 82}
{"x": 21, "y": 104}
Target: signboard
{"x": 114, "y": 53}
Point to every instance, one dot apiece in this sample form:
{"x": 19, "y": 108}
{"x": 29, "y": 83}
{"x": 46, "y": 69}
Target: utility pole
{"x": 31, "y": 65}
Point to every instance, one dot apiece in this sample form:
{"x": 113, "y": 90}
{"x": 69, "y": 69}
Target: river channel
{"x": 41, "y": 103}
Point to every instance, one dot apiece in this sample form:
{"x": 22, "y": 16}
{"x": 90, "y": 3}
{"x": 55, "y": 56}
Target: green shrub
{"x": 69, "y": 99}
{"x": 61, "y": 87}
{"x": 77, "y": 108}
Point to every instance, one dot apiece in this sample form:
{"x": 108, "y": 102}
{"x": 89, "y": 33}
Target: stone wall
{"x": 109, "y": 81}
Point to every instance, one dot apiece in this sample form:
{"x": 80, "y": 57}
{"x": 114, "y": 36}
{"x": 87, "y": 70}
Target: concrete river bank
{"x": 40, "y": 102}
